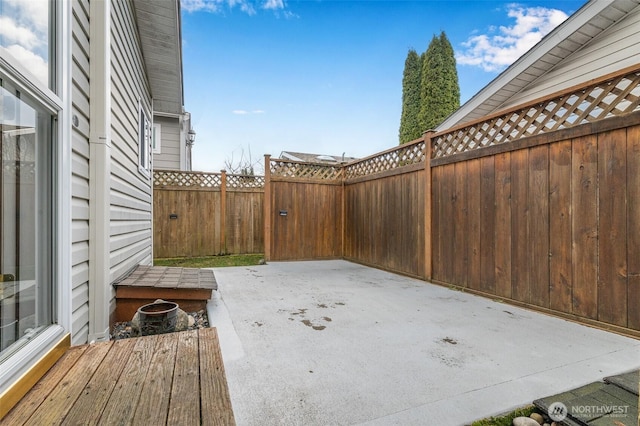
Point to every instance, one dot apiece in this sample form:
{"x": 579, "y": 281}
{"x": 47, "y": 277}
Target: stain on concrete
{"x": 312, "y": 325}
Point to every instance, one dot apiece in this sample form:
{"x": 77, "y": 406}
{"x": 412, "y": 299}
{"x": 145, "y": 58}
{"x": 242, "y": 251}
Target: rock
{"x": 524, "y": 421}
{"x": 192, "y": 321}
{"x": 537, "y": 417}
{"x": 183, "y": 321}
{"x": 262, "y": 262}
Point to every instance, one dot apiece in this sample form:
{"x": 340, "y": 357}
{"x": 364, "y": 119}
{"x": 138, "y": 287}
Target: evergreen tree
{"x": 451, "y": 93}
{"x": 440, "y": 91}
{"x": 409, "y": 126}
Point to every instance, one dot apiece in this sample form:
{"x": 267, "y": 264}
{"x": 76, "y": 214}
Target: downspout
{"x": 100, "y": 169}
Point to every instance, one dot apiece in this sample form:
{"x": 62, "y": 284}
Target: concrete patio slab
{"x": 333, "y": 342}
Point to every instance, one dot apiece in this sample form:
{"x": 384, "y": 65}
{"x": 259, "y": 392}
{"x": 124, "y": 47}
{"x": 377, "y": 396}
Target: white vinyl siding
{"x": 130, "y": 196}
{"x": 613, "y": 50}
{"x": 169, "y": 158}
{"x": 80, "y": 173}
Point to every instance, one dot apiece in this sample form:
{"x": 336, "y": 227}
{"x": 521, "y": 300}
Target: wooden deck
{"x": 172, "y": 379}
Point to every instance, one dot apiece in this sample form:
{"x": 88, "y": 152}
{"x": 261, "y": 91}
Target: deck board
{"x": 185, "y": 411}
{"x": 216, "y": 403}
{"x": 173, "y": 379}
{"x": 55, "y": 408}
{"x": 124, "y": 398}
{"x": 41, "y": 390}
{"x": 94, "y": 398}
{"x": 154, "y": 399}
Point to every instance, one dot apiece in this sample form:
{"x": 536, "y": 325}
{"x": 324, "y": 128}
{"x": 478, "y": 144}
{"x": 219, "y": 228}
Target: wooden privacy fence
{"x": 539, "y": 205}
{"x": 204, "y": 214}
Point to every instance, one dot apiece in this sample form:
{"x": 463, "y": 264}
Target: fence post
{"x": 267, "y": 207}
{"x": 223, "y": 211}
{"x": 428, "y": 266}
{"x": 343, "y": 214}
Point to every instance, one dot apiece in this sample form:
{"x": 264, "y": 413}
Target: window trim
{"x": 144, "y": 140}
{"x": 156, "y": 138}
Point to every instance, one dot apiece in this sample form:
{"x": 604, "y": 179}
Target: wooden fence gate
{"x": 204, "y": 214}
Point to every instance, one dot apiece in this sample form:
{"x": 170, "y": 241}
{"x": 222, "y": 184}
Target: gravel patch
{"x": 123, "y": 330}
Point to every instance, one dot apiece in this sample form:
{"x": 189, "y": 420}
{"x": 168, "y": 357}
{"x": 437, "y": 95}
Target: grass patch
{"x": 211, "y": 261}
{"x": 507, "y": 419}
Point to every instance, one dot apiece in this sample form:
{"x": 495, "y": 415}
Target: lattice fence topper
{"x": 245, "y": 181}
{"x": 172, "y": 178}
{"x": 186, "y": 179}
{"x": 613, "y": 97}
{"x": 299, "y": 170}
{"x": 402, "y": 156}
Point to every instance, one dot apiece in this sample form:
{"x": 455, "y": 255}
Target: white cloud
{"x": 11, "y": 32}
{"x": 32, "y": 12}
{"x": 273, "y": 4}
{"x": 24, "y": 34}
{"x": 201, "y": 5}
{"x": 245, "y": 112}
{"x": 31, "y": 61}
{"x": 494, "y": 52}
{"x": 247, "y": 6}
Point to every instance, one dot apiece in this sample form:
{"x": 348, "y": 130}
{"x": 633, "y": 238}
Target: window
{"x": 144, "y": 141}
{"x": 28, "y": 139}
{"x": 157, "y": 137}
{"x": 25, "y": 218}
{"x": 27, "y": 38}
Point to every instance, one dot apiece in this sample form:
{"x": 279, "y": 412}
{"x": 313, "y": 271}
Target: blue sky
{"x": 325, "y": 77}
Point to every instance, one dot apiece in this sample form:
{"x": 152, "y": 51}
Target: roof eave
{"x": 550, "y": 41}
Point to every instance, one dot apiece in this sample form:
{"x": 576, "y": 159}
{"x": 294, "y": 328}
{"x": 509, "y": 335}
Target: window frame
{"x": 54, "y": 98}
{"x": 156, "y": 138}
{"x": 144, "y": 140}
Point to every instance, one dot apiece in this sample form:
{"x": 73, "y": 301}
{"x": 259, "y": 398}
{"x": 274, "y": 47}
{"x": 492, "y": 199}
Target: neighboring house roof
{"x": 590, "y": 21}
{"x": 315, "y": 158}
{"x": 159, "y": 26}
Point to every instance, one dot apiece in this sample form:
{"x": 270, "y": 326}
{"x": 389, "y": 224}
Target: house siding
{"x": 80, "y": 173}
{"x": 130, "y": 190}
{"x": 615, "y": 49}
{"x": 169, "y": 156}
